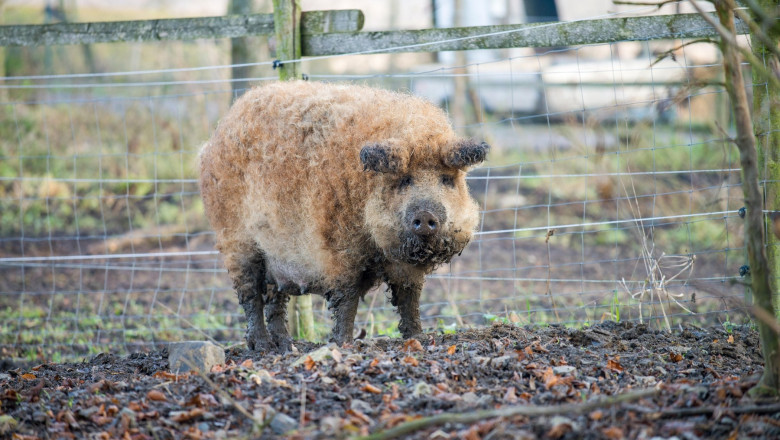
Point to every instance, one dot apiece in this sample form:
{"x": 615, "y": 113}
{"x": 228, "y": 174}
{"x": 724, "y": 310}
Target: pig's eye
{"x": 405, "y": 182}
{"x": 448, "y": 180}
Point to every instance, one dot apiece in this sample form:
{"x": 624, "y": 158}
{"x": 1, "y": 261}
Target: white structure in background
{"x": 517, "y": 82}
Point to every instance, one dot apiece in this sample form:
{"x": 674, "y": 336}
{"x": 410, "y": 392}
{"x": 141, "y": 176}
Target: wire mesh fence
{"x": 612, "y": 193}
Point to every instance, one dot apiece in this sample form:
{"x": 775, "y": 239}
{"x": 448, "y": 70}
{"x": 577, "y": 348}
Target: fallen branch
{"x": 709, "y": 410}
{"x": 509, "y": 411}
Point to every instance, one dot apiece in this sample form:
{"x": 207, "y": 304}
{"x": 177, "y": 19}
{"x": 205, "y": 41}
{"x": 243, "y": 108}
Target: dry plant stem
{"x": 754, "y": 219}
{"x": 549, "y": 273}
{"x": 509, "y": 411}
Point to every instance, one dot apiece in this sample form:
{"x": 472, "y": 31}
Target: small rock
{"x": 261, "y": 376}
{"x": 203, "y": 426}
{"x": 359, "y": 405}
{"x": 7, "y": 424}
{"x": 40, "y": 417}
{"x": 501, "y": 362}
{"x": 194, "y": 355}
{"x": 330, "y": 424}
{"x": 283, "y": 423}
{"x": 565, "y": 370}
{"x": 646, "y": 380}
{"x": 317, "y": 355}
{"x": 422, "y": 389}
{"x": 5, "y": 376}
{"x": 470, "y": 398}
{"x": 128, "y": 417}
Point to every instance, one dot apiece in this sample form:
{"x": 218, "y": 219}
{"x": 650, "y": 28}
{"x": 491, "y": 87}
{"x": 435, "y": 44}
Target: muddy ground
{"x": 700, "y": 378}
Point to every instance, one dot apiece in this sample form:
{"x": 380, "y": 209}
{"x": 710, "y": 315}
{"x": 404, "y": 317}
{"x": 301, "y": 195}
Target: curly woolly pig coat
{"x": 333, "y": 189}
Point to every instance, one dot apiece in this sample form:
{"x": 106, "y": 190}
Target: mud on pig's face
{"x": 421, "y": 213}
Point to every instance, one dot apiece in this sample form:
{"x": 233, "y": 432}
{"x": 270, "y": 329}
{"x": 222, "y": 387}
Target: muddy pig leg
{"x": 248, "y": 274}
{"x": 343, "y": 304}
{"x": 276, "y": 317}
{"x": 406, "y": 299}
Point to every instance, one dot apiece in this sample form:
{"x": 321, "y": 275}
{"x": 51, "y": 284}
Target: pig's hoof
{"x": 282, "y": 345}
{"x": 258, "y": 341}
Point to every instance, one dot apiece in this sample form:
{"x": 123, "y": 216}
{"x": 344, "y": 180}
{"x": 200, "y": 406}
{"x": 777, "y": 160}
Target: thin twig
{"x": 709, "y": 410}
{"x": 509, "y": 411}
{"x": 731, "y": 40}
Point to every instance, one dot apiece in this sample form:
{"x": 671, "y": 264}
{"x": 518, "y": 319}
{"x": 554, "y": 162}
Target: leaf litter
{"x": 379, "y": 385}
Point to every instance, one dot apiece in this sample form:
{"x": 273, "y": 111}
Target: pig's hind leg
{"x": 247, "y": 269}
{"x": 406, "y": 299}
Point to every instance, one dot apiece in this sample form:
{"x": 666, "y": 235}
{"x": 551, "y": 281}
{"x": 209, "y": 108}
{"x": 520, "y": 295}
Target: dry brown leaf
{"x": 596, "y": 415}
{"x": 336, "y": 355}
{"x": 186, "y": 416}
{"x": 156, "y": 395}
{"x": 309, "y": 363}
{"x": 551, "y": 379}
{"x": 169, "y": 376}
{"x": 537, "y": 346}
{"x": 451, "y": 349}
{"x": 529, "y": 351}
{"x": 411, "y": 361}
{"x": 371, "y": 389}
{"x": 374, "y": 363}
{"x": 614, "y": 364}
{"x": 360, "y": 416}
{"x": 28, "y": 376}
{"x": 613, "y": 433}
{"x": 248, "y": 364}
{"x": 731, "y": 339}
{"x": 675, "y": 357}
{"x": 412, "y": 345}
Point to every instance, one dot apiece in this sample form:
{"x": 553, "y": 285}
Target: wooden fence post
{"x": 239, "y": 49}
{"x": 287, "y": 23}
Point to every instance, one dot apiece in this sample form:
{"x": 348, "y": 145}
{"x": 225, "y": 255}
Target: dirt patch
{"x": 328, "y": 392}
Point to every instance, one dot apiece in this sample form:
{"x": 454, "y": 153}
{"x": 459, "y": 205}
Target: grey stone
{"x": 470, "y": 397}
{"x": 422, "y": 389}
{"x": 194, "y": 355}
{"x": 501, "y": 361}
{"x": 129, "y": 415}
{"x": 565, "y": 370}
{"x": 7, "y": 424}
{"x": 317, "y": 355}
{"x": 282, "y": 423}
{"x": 359, "y": 405}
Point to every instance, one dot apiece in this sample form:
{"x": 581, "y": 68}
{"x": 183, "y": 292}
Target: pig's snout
{"x": 425, "y": 218}
{"x": 425, "y": 223}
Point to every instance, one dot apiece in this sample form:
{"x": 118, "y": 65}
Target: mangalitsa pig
{"x": 334, "y": 189}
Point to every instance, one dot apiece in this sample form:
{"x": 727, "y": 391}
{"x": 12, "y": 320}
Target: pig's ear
{"x": 466, "y": 153}
{"x": 382, "y": 158}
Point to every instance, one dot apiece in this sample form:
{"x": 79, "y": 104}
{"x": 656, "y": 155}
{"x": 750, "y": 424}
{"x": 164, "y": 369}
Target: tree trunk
{"x": 754, "y": 219}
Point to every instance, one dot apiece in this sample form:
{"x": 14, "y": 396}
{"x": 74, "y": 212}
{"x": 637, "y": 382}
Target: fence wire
{"x": 612, "y": 193}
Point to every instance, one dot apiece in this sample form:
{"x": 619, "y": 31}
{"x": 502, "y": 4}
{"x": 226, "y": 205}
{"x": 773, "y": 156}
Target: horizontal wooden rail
{"x": 523, "y": 35}
{"x": 232, "y": 26}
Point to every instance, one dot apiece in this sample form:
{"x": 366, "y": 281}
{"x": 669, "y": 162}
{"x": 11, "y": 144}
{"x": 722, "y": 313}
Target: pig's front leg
{"x": 406, "y": 299}
{"x": 343, "y": 304}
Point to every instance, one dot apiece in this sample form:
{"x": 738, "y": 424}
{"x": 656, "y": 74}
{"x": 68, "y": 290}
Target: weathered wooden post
{"x": 287, "y": 24}
{"x": 239, "y": 49}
